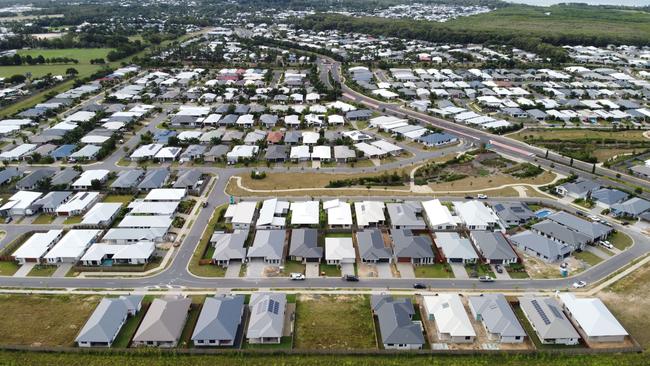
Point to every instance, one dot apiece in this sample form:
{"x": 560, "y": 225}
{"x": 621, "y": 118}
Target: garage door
{"x": 404, "y": 259}
{"x": 312, "y": 260}
{"x": 384, "y": 260}
{"x": 456, "y": 260}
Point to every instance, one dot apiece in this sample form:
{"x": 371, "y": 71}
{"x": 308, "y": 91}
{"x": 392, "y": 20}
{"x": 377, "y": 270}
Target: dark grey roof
{"x": 632, "y": 207}
{"x": 405, "y": 214}
{"x": 546, "y": 247}
{"x": 371, "y": 245}
{"x": 65, "y": 177}
{"x": 562, "y": 233}
{"x": 276, "y": 152}
{"x": 581, "y": 187}
{"x": 8, "y": 173}
{"x": 493, "y": 245}
{"x": 497, "y": 315}
{"x": 220, "y": 318}
{"x": 291, "y": 137}
{"x": 304, "y": 243}
{"x": 513, "y": 212}
{"x": 218, "y": 151}
{"x": 154, "y": 178}
{"x": 406, "y": 244}
{"x": 547, "y": 318}
{"x": 229, "y": 246}
{"x": 127, "y": 178}
{"x": 105, "y": 322}
{"x": 188, "y": 178}
{"x": 593, "y": 230}
{"x": 395, "y": 324}
{"x": 164, "y": 320}
{"x": 609, "y": 196}
{"x": 268, "y": 244}
{"x": 34, "y": 177}
{"x": 52, "y": 200}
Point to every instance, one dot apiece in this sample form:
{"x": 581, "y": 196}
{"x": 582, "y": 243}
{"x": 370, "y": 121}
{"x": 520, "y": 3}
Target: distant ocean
{"x": 590, "y": 2}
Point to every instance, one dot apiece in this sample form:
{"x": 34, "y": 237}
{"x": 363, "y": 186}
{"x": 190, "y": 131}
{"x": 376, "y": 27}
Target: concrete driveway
{"x": 24, "y": 270}
{"x": 406, "y": 270}
{"x": 459, "y": 270}
{"x": 255, "y": 268}
{"x": 384, "y": 271}
{"x": 597, "y": 252}
{"x": 233, "y": 270}
{"x": 500, "y": 276}
{"x": 347, "y": 269}
{"x": 312, "y": 270}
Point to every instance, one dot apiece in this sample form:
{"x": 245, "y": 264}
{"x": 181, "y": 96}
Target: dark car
{"x": 469, "y": 197}
{"x": 419, "y": 286}
{"x": 498, "y": 268}
{"x": 351, "y": 278}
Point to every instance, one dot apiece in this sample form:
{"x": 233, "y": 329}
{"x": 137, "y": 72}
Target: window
{"x": 468, "y": 338}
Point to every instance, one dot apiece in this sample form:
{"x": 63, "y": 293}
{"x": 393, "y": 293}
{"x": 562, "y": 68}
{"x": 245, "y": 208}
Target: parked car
{"x": 297, "y": 276}
{"x": 606, "y": 244}
{"x": 469, "y": 197}
{"x": 486, "y": 279}
{"x": 498, "y": 268}
{"x": 419, "y": 286}
{"x": 482, "y": 196}
{"x": 579, "y": 284}
{"x": 351, "y": 278}
{"x": 8, "y": 219}
{"x": 205, "y": 204}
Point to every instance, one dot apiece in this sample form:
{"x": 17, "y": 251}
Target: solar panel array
{"x": 273, "y": 307}
{"x": 541, "y": 312}
{"x": 556, "y": 311}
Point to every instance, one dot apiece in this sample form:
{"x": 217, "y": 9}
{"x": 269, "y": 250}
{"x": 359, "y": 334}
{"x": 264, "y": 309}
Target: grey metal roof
{"x": 218, "y": 151}
{"x": 188, "y": 178}
{"x": 127, "y": 178}
{"x": 52, "y": 200}
{"x": 591, "y": 229}
{"x": 267, "y": 315}
{"x": 291, "y": 137}
{"x": 65, "y": 177}
{"x": 562, "y": 233}
{"x": 371, "y": 245}
{"x": 220, "y": 318}
{"x": 405, "y": 244}
{"x": 547, "y": 317}
{"x": 405, "y": 214}
{"x": 229, "y": 246}
{"x": 497, "y": 315}
{"x": 154, "y": 178}
{"x": 581, "y": 187}
{"x": 268, "y": 244}
{"x": 546, "y": 247}
{"x": 513, "y": 212}
{"x": 634, "y": 206}
{"x": 276, "y": 152}
{"x": 453, "y": 246}
{"x": 8, "y": 174}
{"x": 34, "y": 177}
{"x": 493, "y": 246}
{"x": 105, "y": 322}
{"x": 304, "y": 243}
{"x": 609, "y": 196}
{"x": 164, "y": 320}
{"x": 395, "y": 324}
{"x": 193, "y": 151}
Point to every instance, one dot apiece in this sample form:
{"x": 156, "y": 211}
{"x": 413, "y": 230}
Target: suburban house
{"x": 20, "y": 204}
{"x": 369, "y": 213}
{"x": 438, "y": 216}
{"x": 163, "y": 323}
{"x": 86, "y": 179}
{"x": 494, "y": 247}
{"x": 305, "y": 213}
{"x": 339, "y": 213}
{"x": 107, "y": 320}
{"x": 266, "y": 323}
{"x": 268, "y": 246}
{"x": 580, "y": 189}
{"x": 71, "y": 247}
{"x": 476, "y": 215}
{"x": 409, "y": 248}
{"x": 272, "y": 214}
{"x": 228, "y": 247}
{"x": 452, "y": 323}
{"x": 606, "y": 197}
{"x": 498, "y": 318}
{"x": 407, "y": 215}
{"x": 631, "y": 208}
{"x": 219, "y": 321}
{"x": 547, "y": 319}
{"x": 396, "y": 326}
{"x": 101, "y": 215}
{"x": 455, "y": 248}
{"x": 592, "y": 319}
{"x": 372, "y": 248}
{"x": 134, "y": 254}
{"x": 241, "y": 214}
{"x": 593, "y": 230}
{"x": 78, "y": 204}
{"x": 339, "y": 250}
{"x": 35, "y": 247}
{"x": 304, "y": 246}
{"x": 541, "y": 246}
{"x": 51, "y": 201}
{"x": 513, "y": 213}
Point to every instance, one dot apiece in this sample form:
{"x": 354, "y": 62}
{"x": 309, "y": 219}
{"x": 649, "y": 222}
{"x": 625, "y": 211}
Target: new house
{"x": 476, "y": 215}
{"x": 592, "y": 319}
{"x": 266, "y": 323}
{"x": 339, "y": 250}
{"x": 438, "y": 216}
{"x": 452, "y": 323}
{"x": 35, "y": 247}
{"x": 497, "y": 317}
{"x": 305, "y": 213}
{"x": 220, "y": 319}
{"x": 396, "y": 325}
{"x": 304, "y": 246}
{"x": 372, "y": 248}
{"x": 409, "y": 248}
{"x": 339, "y": 213}
{"x": 547, "y": 319}
{"x": 494, "y": 247}
{"x": 541, "y": 246}
{"x": 107, "y": 320}
{"x": 369, "y": 213}
{"x": 268, "y": 246}
{"x": 228, "y": 247}
{"x": 71, "y": 247}
{"x": 241, "y": 214}
{"x": 455, "y": 248}
{"x": 406, "y": 215}
{"x": 163, "y": 323}
{"x": 272, "y": 214}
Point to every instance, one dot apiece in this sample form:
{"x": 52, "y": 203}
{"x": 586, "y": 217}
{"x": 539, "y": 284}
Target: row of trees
{"x": 17, "y": 60}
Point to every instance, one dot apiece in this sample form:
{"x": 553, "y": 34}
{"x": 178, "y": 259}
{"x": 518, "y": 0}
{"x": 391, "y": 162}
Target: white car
{"x": 606, "y": 244}
{"x": 297, "y": 276}
{"x": 579, "y": 284}
{"x": 482, "y": 196}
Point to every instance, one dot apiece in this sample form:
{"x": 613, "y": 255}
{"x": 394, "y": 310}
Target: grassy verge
{"x": 124, "y": 199}
{"x": 8, "y": 268}
{"x": 330, "y": 270}
{"x": 620, "y": 240}
{"x": 588, "y": 257}
{"x": 480, "y": 269}
{"x": 285, "y": 343}
{"x": 207, "y": 270}
{"x": 42, "y": 271}
{"x": 72, "y": 220}
{"x": 292, "y": 267}
{"x": 43, "y": 219}
{"x": 438, "y": 270}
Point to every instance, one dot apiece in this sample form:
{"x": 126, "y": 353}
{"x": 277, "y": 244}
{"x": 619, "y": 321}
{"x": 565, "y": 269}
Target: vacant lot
{"x": 82, "y": 55}
{"x": 334, "y": 322}
{"x": 472, "y": 183}
{"x": 41, "y": 320}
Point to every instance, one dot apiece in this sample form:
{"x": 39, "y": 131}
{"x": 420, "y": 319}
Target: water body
{"x": 590, "y": 2}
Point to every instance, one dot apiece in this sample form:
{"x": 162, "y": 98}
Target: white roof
{"x": 339, "y": 249}
{"x": 369, "y": 150}
{"x": 139, "y": 250}
{"x": 299, "y": 152}
{"x": 269, "y": 209}
{"x": 21, "y": 200}
{"x": 153, "y": 208}
{"x": 310, "y": 137}
{"x": 305, "y": 213}
{"x": 369, "y": 212}
{"x": 475, "y": 213}
{"x": 322, "y": 152}
{"x": 73, "y": 244}
{"x": 338, "y": 212}
{"x": 449, "y": 314}
{"x": 243, "y": 151}
{"x": 188, "y": 135}
{"x": 168, "y": 152}
{"x": 437, "y": 214}
{"x": 80, "y": 116}
{"x": 165, "y": 194}
{"x": 241, "y": 212}
{"x": 37, "y": 245}
{"x": 100, "y": 212}
{"x": 79, "y": 201}
{"x": 146, "y": 151}
{"x": 18, "y": 151}
{"x": 88, "y": 176}
{"x": 386, "y": 146}
{"x": 593, "y": 316}
{"x": 146, "y": 221}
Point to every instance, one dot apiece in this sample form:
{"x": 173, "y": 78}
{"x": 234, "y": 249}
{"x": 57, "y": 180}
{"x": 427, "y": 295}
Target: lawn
{"x": 72, "y": 220}
{"x": 620, "y": 240}
{"x": 44, "y": 320}
{"x": 42, "y": 271}
{"x": 334, "y": 322}
{"x": 207, "y": 270}
{"x": 43, "y": 219}
{"x": 292, "y": 267}
{"x": 481, "y": 270}
{"x": 8, "y": 268}
{"x": 578, "y": 134}
{"x": 128, "y": 329}
{"x": 124, "y": 199}
{"x": 588, "y": 257}
{"x": 330, "y": 270}
{"x": 438, "y": 270}
{"x": 192, "y": 317}
{"x": 533, "y": 336}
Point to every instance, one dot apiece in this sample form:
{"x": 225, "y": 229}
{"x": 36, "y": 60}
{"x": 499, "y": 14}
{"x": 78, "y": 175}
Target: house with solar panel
{"x": 266, "y": 323}
{"x": 549, "y": 322}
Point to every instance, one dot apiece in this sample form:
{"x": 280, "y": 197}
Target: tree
{"x": 71, "y": 72}
{"x": 95, "y": 184}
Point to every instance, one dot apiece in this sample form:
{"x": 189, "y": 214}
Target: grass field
{"x": 437, "y": 270}
{"x": 124, "y": 199}
{"x": 128, "y": 329}
{"x": 574, "y": 134}
{"x": 588, "y": 257}
{"x": 334, "y": 322}
{"x": 83, "y": 55}
{"x": 44, "y": 320}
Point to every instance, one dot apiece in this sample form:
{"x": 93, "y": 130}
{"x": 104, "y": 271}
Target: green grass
{"x": 42, "y": 271}
{"x": 481, "y": 270}
{"x": 334, "y": 322}
{"x": 438, "y": 270}
{"x": 128, "y": 329}
{"x": 293, "y": 267}
{"x": 8, "y": 268}
{"x": 186, "y": 336}
{"x": 43, "y": 219}
{"x": 620, "y": 240}
{"x": 285, "y": 343}
{"x": 124, "y": 199}
{"x": 518, "y": 275}
{"x": 207, "y": 270}
{"x": 72, "y": 220}
{"x": 330, "y": 270}
{"x": 588, "y": 257}
{"x": 533, "y": 336}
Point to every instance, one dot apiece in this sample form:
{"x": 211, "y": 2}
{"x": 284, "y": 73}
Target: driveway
{"x": 406, "y": 270}
{"x": 233, "y": 270}
{"x": 312, "y": 270}
{"x": 255, "y": 268}
{"x": 347, "y": 269}
{"x": 384, "y": 270}
{"x": 597, "y": 252}
{"x": 63, "y": 269}
{"x": 500, "y": 276}
{"x": 24, "y": 270}
{"x": 459, "y": 270}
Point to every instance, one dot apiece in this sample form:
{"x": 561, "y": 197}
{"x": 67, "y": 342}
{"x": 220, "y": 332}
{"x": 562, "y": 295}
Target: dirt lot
{"x": 486, "y": 182}
{"x": 40, "y": 320}
{"x": 572, "y": 134}
{"x": 537, "y": 268}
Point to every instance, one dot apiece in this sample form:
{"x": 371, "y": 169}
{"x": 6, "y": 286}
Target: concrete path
{"x": 384, "y": 270}
{"x": 459, "y": 270}
{"x": 312, "y": 270}
{"x": 62, "y": 270}
{"x": 347, "y": 269}
{"x": 24, "y": 270}
{"x": 406, "y": 270}
{"x": 233, "y": 270}
{"x": 255, "y": 268}
{"x": 500, "y": 276}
